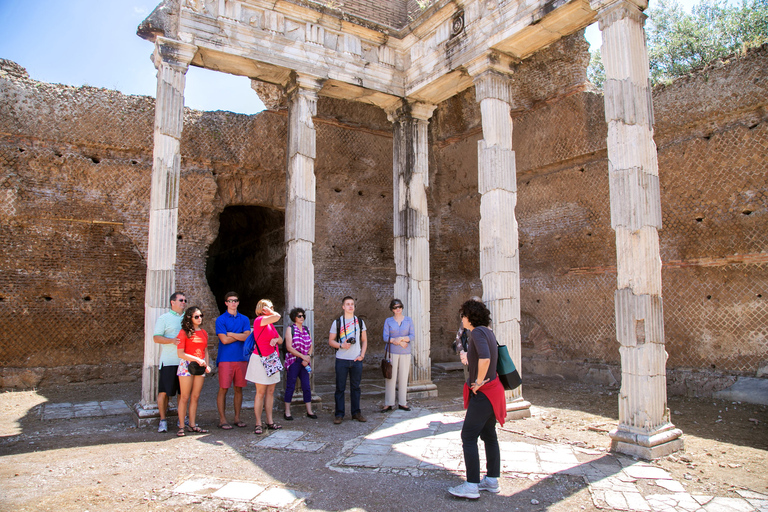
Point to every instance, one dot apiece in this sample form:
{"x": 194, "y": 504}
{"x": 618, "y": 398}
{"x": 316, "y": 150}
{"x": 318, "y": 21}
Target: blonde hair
{"x": 261, "y": 304}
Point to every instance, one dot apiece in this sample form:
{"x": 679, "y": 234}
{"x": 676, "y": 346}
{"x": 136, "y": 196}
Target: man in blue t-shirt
{"x": 232, "y": 328}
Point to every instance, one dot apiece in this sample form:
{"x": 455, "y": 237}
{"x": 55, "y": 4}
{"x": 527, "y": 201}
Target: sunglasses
{"x": 233, "y": 300}
{"x": 397, "y": 307}
{"x": 181, "y": 300}
{"x": 196, "y": 317}
{"x": 300, "y": 316}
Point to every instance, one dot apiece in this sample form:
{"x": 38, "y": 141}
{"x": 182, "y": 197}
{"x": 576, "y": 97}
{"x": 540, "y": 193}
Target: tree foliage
{"x": 680, "y": 42}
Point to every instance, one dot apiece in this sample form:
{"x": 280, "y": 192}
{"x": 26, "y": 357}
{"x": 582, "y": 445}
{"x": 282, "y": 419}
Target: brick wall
{"x": 75, "y": 165}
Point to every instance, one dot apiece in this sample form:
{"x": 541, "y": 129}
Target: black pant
{"x": 480, "y": 422}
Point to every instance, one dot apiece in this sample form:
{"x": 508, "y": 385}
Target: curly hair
{"x": 296, "y": 311}
{"x": 476, "y": 312}
{"x": 186, "y": 323}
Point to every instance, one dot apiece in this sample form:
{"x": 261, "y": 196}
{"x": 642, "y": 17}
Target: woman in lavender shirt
{"x": 398, "y": 332}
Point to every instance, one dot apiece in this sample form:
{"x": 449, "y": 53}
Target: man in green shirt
{"x": 166, "y": 334}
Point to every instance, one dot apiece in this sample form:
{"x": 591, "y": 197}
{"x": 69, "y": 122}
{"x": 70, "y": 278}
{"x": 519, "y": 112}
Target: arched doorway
{"x": 248, "y": 257}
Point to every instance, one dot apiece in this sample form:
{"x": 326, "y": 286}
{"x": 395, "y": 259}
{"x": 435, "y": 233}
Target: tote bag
{"x": 508, "y": 374}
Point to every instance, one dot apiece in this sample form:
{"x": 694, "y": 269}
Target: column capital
{"x": 609, "y": 12}
{"x": 490, "y": 84}
{"x": 416, "y": 110}
{"x": 304, "y": 83}
{"x": 174, "y": 53}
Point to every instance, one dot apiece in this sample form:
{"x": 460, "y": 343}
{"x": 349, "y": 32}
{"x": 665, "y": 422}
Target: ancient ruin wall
{"x": 712, "y": 139}
{"x": 75, "y": 167}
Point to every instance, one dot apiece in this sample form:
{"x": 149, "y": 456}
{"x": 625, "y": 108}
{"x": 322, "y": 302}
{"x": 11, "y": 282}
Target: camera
{"x": 351, "y": 340}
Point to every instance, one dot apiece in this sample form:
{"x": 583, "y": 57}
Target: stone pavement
{"x": 414, "y": 443}
{"x": 421, "y": 441}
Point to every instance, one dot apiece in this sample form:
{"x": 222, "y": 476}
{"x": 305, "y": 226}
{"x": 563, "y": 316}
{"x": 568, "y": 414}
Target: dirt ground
{"x": 107, "y": 463}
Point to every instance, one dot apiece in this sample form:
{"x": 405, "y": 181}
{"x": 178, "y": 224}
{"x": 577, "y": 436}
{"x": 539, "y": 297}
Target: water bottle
{"x": 309, "y": 369}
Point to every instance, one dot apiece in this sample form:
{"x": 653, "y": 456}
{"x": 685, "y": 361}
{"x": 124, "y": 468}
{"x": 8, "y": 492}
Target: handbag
{"x": 505, "y": 368}
{"x": 195, "y": 368}
{"x": 386, "y": 363}
{"x": 271, "y": 363}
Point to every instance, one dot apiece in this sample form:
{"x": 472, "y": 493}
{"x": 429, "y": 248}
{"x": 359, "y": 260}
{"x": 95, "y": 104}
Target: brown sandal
{"x": 180, "y": 433}
{"x": 274, "y": 426}
{"x": 258, "y": 430}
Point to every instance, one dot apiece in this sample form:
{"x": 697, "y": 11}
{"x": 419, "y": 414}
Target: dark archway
{"x": 248, "y": 257}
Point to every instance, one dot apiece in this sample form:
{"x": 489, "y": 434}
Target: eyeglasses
{"x": 197, "y": 317}
{"x": 181, "y": 300}
{"x": 397, "y": 307}
{"x": 233, "y": 300}
{"x": 300, "y": 316}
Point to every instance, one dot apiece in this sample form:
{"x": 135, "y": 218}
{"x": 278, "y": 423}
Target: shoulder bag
{"x": 505, "y": 368}
{"x": 386, "y": 363}
{"x": 271, "y": 363}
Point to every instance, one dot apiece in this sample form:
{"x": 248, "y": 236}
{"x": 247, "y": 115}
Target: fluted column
{"x": 171, "y": 59}
{"x": 300, "y": 197}
{"x": 497, "y": 184}
{"x": 411, "y": 231}
{"x": 644, "y": 427}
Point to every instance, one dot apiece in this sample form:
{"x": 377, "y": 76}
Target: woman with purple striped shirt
{"x": 298, "y": 344}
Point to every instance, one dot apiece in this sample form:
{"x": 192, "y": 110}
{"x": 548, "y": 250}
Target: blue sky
{"x": 94, "y": 42}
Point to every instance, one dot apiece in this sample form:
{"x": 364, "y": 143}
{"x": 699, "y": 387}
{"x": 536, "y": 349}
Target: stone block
{"x": 639, "y": 260}
{"x": 635, "y": 199}
{"x": 628, "y": 102}
{"x": 631, "y": 146}
{"x": 496, "y": 168}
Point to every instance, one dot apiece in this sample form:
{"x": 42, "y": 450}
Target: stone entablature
{"x": 425, "y": 61}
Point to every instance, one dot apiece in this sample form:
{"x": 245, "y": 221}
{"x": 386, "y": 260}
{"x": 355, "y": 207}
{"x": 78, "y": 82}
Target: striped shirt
{"x": 301, "y": 343}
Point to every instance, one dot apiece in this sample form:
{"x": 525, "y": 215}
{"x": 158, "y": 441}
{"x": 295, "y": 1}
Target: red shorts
{"x": 232, "y": 371}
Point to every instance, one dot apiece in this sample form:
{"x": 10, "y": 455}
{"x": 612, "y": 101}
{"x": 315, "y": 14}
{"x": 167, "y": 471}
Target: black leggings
{"x": 480, "y": 421}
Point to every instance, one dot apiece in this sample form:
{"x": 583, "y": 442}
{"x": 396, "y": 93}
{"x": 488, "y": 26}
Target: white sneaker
{"x": 465, "y": 490}
{"x": 163, "y": 427}
{"x": 488, "y": 484}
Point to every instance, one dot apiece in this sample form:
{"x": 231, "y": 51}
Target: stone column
{"x": 300, "y": 198}
{"x": 644, "y": 427}
{"x": 171, "y": 59}
{"x": 411, "y": 231}
{"x": 497, "y": 183}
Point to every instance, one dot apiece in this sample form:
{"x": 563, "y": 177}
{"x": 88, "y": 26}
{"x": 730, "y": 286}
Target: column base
{"x": 518, "y": 409}
{"x": 427, "y": 390}
{"x": 647, "y": 446}
{"x": 145, "y": 415}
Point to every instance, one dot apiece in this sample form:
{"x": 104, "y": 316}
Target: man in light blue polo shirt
{"x": 167, "y": 329}
{"x": 232, "y": 328}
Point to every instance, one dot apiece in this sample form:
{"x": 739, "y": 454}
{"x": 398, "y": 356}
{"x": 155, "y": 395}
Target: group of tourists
{"x": 184, "y": 361}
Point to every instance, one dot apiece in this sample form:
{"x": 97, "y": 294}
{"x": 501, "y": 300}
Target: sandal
{"x": 273, "y": 426}
{"x": 225, "y": 426}
{"x": 180, "y": 433}
{"x": 258, "y": 430}
{"x": 240, "y": 424}
{"x": 198, "y": 430}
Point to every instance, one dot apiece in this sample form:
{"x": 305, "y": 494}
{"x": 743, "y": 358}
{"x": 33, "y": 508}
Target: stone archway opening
{"x": 248, "y": 257}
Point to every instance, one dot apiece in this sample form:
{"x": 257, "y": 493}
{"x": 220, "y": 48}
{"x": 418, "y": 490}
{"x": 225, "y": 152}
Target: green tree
{"x": 680, "y": 42}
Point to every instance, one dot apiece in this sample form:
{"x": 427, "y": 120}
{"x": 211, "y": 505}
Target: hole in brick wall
{"x": 699, "y": 219}
{"x": 94, "y": 159}
{"x": 359, "y": 192}
{"x": 179, "y": 237}
{"x": 753, "y": 126}
{"x": 58, "y": 153}
{"x": 538, "y": 301}
{"x": 527, "y": 182}
{"x": 131, "y": 298}
{"x": 747, "y": 212}
{"x": 337, "y": 190}
{"x": 707, "y": 137}
{"x": 248, "y": 257}
{"x": 709, "y": 297}
{"x": 46, "y": 298}
{"x": 3, "y": 299}
{"x": 87, "y": 298}
{"x": 567, "y": 301}
{"x": 383, "y": 195}
{"x": 134, "y": 162}
{"x": 589, "y": 234}
{"x": 759, "y": 296}
{"x": 581, "y": 170}
{"x": 21, "y": 150}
